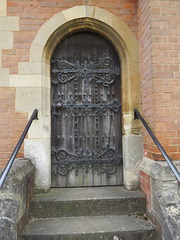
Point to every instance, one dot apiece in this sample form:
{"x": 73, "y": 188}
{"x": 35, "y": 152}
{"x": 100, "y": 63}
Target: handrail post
{"x": 135, "y": 115}
{"x": 16, "y": 149}
{"x": 35, "y": 114}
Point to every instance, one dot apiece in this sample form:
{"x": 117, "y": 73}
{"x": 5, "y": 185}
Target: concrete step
{"x": 90, "y": 228}
{"x": 96, "y": 201}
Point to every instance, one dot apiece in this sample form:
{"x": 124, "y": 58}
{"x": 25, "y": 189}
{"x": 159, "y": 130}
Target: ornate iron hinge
{"x": 107, "y": 162}
{"x": 104, "y": 72}
{"x": 86, "y": 106}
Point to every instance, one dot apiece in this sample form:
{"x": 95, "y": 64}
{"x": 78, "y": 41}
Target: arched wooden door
{"x": 86, "y": 112}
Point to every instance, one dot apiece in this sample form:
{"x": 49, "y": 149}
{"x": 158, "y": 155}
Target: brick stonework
{"x": 11, "y": 125}
{"x": 146, "y": 188}
{"x": 145, "y": 185}
{"x": 33, "y": 14}
{"x": 159, "y": 37}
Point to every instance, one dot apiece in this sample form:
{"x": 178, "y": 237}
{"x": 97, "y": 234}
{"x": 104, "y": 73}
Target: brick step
{"x": 91, "y": 201}
{"x": 91, "y": 228}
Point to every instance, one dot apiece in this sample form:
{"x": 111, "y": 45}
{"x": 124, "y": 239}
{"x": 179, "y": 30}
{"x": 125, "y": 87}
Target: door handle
{"x": 58, "y": 105}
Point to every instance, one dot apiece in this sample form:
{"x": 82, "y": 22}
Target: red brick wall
{"x": 145, "y": 46}
{"x": 11, "y": 125}
{"x": 146, "y": 188}
{"x": 145, "y": 185}
{"x": 159, "y": 37}
{"x": 159, "y": 40}
{"x": 34, "y": 13}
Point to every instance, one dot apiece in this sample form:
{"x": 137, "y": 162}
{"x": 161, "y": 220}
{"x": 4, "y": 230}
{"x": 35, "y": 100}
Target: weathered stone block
{"x": 14, "y": 196}
{"x": 9, "y": 23}
{"x": 28, "y": 98}
{"x": 30, "y": 68}
{"x": 9, "y": 208}
{"x": 3, "y": 8}
{"x": 7, "y": 229}
{"x": 4, "y": 79}
{"x": 38, "y": 150}
{"x": 165, "y": 200}
{"x": 41, "y": 128}
{"x": 25, "y": 80}
{"x": 6, "y": 39}
{"x": 132, "y": 157}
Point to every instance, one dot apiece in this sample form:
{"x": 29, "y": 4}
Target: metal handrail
{"x": 137, "y": 115}
{"x": 16, "y": 149}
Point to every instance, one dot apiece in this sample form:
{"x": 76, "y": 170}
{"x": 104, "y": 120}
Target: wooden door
{"x": 86, "y": 112}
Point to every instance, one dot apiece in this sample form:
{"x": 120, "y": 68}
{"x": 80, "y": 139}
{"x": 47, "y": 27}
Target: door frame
{"x": 126, "y": 45}
{"x": 76, "y": 174}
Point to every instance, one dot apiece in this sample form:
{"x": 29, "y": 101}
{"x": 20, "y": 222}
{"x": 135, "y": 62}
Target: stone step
{"x": 91, "y": 228}
{"x": 91, "y": 201}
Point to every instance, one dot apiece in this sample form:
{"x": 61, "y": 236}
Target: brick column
{"x": 159, "y": 35}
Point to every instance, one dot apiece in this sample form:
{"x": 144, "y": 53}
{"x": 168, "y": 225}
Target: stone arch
{"x": 111, "y": 27}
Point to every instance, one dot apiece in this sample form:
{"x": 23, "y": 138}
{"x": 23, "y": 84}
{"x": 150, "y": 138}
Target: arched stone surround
{"x": 33, "y": 86}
